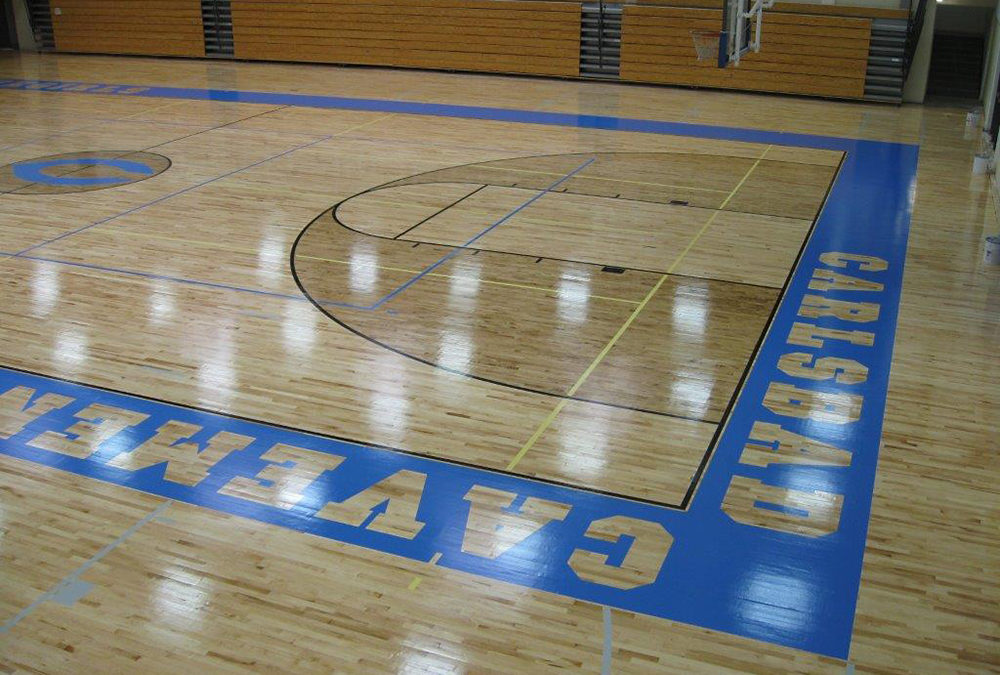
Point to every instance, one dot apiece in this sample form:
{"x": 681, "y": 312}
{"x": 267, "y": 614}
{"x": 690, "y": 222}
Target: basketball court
{"x": 370, "y": 370}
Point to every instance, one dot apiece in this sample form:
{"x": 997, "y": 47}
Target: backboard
{"x": 741, "y": 29}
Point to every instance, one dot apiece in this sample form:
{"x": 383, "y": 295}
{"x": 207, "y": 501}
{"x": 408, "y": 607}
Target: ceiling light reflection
{"x": 584, "y": 446}
{"x": 71, "y": 348}
{"x": 216, "y": 372}
{"x": 692, "y": 391}
{"x": 455, "y": 351}
{"x": 689, "y": 312}
{"x": 298, "y": 327}
{"x": 363, "y": 265}
{"x": 272, "y": 256}
{"x": 463, "y": 285}
{"x": 45, "y": 288}
{"x": 572, "y": 297}
{"x": 389, "y": 417}
{"x": 161, "y": 302}
{"x": 780, "y": 598}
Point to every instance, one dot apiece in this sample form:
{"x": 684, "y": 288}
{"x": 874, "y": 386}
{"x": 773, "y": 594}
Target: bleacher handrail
{"x": 914, "y": 27}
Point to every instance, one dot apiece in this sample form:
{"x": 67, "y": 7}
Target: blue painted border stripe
{"x": 761, "y": 583}
{"x": 608, "y": 123}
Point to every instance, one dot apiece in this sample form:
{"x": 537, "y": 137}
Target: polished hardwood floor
{"x": 523, "y": 354}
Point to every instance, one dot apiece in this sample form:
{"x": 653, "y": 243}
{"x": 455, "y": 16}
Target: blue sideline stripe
{"x": 604, "y": 122}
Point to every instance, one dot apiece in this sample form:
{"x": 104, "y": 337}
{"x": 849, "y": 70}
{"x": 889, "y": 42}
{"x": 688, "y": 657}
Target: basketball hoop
{"x": 706, "y": 43}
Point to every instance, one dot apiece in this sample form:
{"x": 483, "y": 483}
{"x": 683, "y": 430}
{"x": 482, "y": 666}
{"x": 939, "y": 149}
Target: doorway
{"x": 959, "y": 50}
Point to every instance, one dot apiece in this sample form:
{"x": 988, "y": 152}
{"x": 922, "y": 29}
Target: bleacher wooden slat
{"x": 500, "y": 45}
{"x": 341, "y": 5}
{"x": 405, "y": 46}
{"x": 413, "y": 58}
{"x": 405, "y": 31}
{"x": 544, "y": 29}
{"x": 823, "y": 48}
{"x": 126, "y": 46}
{"x": 681, "y": 46}
{"x": 841, "y": 10}
{"x": 792, "y": 8}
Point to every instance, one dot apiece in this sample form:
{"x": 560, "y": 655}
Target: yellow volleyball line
{"x": 746, "y": 176}
{"x": 583, "y": 378}
{"x": 417, "y": 579}
{"x": 550, "y": 418}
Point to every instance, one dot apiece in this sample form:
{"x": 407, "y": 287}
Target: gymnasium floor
{"x": 361, "y": 370}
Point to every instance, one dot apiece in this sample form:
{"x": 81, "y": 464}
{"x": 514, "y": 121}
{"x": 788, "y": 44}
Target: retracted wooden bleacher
{"x": 541, "y": 38}
{"x": 807, "y": 49}
{"x": 153, "y": 27}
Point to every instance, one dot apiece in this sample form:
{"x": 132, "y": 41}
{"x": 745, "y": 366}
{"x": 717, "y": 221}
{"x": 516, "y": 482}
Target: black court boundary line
{"x": 710, "y": 451}
{"x": 332, "y": 437}
{"x": 693, "y": 484}
{"x": 534, "y": 479}
{"x": 115, "y": 155}
{"x": 720, "y": 425}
